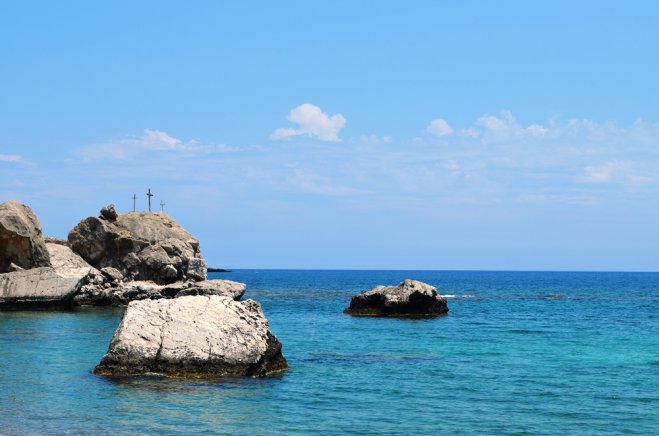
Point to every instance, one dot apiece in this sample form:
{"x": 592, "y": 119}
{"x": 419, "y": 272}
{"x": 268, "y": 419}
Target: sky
{"x": 435, "y": 135}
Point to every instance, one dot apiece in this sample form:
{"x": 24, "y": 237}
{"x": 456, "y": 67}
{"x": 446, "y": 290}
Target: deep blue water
{"x": 519, "y": 353}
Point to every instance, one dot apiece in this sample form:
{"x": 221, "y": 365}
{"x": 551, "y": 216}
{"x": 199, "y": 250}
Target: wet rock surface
{"x": 193, "y": 336}
{"x": 408, "y": 298}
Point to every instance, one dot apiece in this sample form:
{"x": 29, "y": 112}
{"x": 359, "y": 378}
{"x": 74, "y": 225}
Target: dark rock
{"x": 197, "y": 269}
{"x": 218, "y": 270}
{"x": 109, "y": 213}
{"x": 409, "y": 298}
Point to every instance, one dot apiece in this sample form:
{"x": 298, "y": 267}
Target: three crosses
{"x": 149, "y": 195}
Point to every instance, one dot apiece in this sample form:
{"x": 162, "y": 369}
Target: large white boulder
{"x": 193, "y": 336}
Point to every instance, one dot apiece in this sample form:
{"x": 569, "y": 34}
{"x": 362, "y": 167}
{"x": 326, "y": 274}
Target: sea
{"x": 518, "y": 353}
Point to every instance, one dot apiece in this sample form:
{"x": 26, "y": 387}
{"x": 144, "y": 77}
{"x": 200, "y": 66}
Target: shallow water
{"x": 519, "y": 352}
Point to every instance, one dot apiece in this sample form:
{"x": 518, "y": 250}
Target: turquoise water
{"x": 519, "y": 353}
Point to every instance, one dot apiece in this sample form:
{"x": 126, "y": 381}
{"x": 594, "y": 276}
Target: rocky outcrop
{"x": 409, "y": 298}
{"x": 140, "y": 245}
{"x": 38, "y": 287}
{"x": 21, "y": 241}
{"x": 101, "y": 291}
{"x": 46, "y": 286}
{"x": 193, "y": 336}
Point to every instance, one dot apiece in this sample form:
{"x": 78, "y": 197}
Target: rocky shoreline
{"x": 177, "y": 322}
{"x": 109, "y": 260}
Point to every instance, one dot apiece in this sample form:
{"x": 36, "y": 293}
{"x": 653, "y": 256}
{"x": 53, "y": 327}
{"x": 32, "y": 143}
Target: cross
{"x": 134, "y": 197}
{"x": 149, "y": 194}
{"x": 162, "y": 206}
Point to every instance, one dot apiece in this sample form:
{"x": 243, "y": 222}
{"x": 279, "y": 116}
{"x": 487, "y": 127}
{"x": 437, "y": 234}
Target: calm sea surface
{"x": 519, "y": 353}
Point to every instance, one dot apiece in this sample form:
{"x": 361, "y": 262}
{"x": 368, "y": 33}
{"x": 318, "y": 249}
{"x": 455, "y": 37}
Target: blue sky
{"x": 411, "y": 135}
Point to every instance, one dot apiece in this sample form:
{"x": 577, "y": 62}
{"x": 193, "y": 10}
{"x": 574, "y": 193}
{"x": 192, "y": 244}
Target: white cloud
{"x": 311, "y": 121}
{"x": 439, "y": 127}
{"x": 494, "y": 123}
{"x": 149, "y": 140}
{"x": 600, "y": 173}
{"x": 503, "y": 127}
{"x": 537, "y": 130}
{"x": 470, "y": 132}
{"x": 306, "y": 181}
{"x": 11, "y": 158}
{"x": 157, "y": 139}
{"x": 375, "y": 139}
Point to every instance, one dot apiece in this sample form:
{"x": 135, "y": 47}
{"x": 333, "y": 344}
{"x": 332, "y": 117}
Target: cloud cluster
{"x": 494, "y": 159}
{"x": 311, "y": 121}
{"x": 11, "y": 158}
{"x": 125, "y": 149}
{"x": 439, "y": 127}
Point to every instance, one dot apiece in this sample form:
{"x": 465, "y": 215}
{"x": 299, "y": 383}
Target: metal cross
{"x": 134, "y": 198}
{"x": 162, "y": 206}
{"x": 149, "y": 194}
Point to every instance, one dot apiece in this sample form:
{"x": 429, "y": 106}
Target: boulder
{"x": 197, "y": 269}
{"x": 66, "y": 263}
{"x": 21, "y": 241}
{"x": 193, "y": 336}
{"x": 104, "y": 293}
{"x": 39, "y": 287}
{"x": 141, "y": 246}
{"x": 46, "y": 286}
{"x": 112, "y": 274}
{"x": 409, "y": 298}
{"x": 109, "y": 212}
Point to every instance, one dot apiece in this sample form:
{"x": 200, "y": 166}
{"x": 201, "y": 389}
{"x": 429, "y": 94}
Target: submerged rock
{"x": 193, "y": 336}
{"x": 409, "y": 298}
{"x": 140, "y": 245}
{"x": 21, "y": 240}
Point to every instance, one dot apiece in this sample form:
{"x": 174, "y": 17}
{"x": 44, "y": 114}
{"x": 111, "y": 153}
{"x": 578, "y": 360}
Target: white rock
{"x": 193, "y": 336}
{"x": 38, "y": 287}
